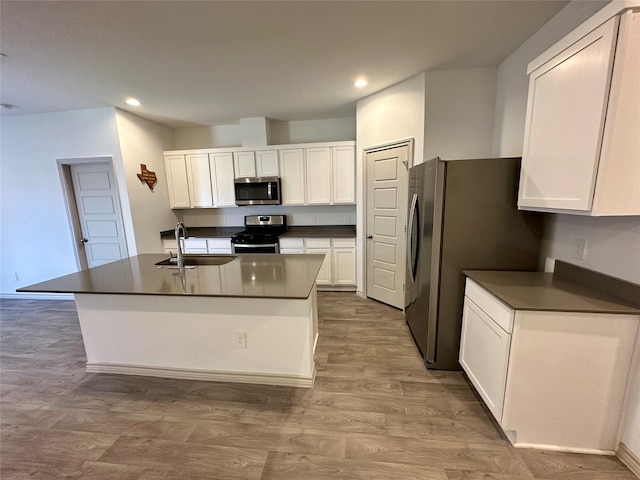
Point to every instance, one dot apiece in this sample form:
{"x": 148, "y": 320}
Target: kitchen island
{"x": 252, "y": 320}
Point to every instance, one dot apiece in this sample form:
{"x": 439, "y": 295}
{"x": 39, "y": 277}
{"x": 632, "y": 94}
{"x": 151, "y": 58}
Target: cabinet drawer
{"x": 344, "y": 242}
{"x": 317, "y": 242}
{"x": 194, "y": 244}
{"x": 291, "y": 243}
{"x": 494, "y": 308}
{"x": 219, "y": 244}
{"x": 292, "y": 251}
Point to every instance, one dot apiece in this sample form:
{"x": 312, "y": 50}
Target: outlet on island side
{"x": 579, "y": 248}
{"x": 240, "y": 339}
{"x": 15, "y": 276}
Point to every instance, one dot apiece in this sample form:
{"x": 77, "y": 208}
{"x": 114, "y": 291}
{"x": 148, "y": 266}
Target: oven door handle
{"x": 260, "y": 245}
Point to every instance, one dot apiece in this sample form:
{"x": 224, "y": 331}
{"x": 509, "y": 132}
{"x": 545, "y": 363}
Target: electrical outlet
{"x": 312, "y": 219}
{"x": 347, "y": 219}
{"x": 579, "y": 248}
{"x": 240, "y": 339}
{"x": 15, "y": 276}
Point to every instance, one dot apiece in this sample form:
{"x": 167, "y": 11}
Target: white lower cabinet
{"x": 553, "y": 380}
{"x": 170, "y": 247}
{"x": 194, "y": 245}
{"x": 339, "y": 266}
{"x": 484, "y": 355}
{"x": 219, "y": 245}
{"x": 198, "y": 245}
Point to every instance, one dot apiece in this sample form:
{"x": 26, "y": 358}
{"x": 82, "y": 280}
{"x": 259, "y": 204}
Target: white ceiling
{"x": 214, "y": 62}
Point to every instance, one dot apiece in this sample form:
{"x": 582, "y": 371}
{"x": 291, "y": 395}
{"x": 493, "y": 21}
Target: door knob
{"x": 84, "y": 240}
{"x": 369, "y": 236}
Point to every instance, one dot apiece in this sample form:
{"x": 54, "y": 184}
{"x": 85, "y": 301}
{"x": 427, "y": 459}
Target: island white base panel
{"x": 195, "y": 337}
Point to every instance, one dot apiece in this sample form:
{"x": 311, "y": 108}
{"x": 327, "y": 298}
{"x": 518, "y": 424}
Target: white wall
{"x": 459, "y": 111}
{"x": 310, "y": 131}
{"x": 279, "y": 133}
{"x": 187, "y": 138}
{"x": 142, "y": 142}
{"x": 613, "y": 243}
{"x": 36, "y": 237}
{"x": 393, "y": 114}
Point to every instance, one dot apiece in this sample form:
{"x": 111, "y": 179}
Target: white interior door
{"x": 386, "y": 223}
{"x": 99, "y": 213}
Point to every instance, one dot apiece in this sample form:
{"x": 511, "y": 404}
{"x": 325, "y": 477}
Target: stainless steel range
{"x": 260, "y": 234}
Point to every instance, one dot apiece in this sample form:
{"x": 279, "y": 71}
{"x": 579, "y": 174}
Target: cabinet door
{"x": 170, "y": 247}
{"x": 194, "y": 245}
{"x": 267, "y": 163}
{"x": 245, "y": 164}
{"x": 325, "y": 274}
{"x": 344, "y": 266}
{"x": 565, "y": 120}
{"x": 177, "y": 182}
{"x": 484, "y": 355}
{"x": 219, "y": 245}
{"x": 318, "y": 162}
{"x": 344, "y": 174}
{"x": 292, "y": 176}
{"x": 222, "y": 179}
{"x": 199, "y": 180}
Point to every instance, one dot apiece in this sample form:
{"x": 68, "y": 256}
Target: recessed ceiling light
{"x": 360, "y": 83}
{"x": 134, "y": 102}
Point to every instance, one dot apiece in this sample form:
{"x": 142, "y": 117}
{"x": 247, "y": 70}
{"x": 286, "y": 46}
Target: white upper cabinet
{"x": 318, "y": 175}
{"x": 344, "y": 174}
{"x": 199, "y": 177}
{"x": 310, "y": 174}
{"x": 261, "y": 163}
{"x": 581, "y": 151}
{"x": 292, "y": 176}
{"x": 221, "y": 165}
{"x": 267, "y": 163}
{"x": 177, "y": 182}
{"x": 245, "y": 164}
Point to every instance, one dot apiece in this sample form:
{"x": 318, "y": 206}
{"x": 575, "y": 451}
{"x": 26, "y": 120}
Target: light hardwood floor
{"x": 375, "y": 412}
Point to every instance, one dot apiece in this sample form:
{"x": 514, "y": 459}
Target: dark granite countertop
{"x": 204, "y": 232}
{"x": 333, "y": 231}
{"x": 549, "y": 292}
{"x": 247, "y": 275}
{"x": 294, "y": 231}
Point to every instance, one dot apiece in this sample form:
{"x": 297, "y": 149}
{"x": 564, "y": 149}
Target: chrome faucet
{"x": 180, "y": 228}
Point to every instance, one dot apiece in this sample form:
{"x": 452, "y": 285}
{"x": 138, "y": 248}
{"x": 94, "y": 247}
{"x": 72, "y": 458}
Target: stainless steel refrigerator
{"x": 462, "y": 215}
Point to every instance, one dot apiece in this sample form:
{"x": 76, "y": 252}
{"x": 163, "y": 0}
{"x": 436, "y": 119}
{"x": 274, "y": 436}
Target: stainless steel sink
{"x": 197, "y": 260}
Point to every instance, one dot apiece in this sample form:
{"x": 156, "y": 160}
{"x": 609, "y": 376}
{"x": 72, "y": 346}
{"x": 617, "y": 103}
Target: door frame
{"x": 73, "y": 216}
{"x": 408, "y": 142}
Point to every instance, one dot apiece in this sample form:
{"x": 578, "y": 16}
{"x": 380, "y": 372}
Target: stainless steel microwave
{"x": 258, "y": 191}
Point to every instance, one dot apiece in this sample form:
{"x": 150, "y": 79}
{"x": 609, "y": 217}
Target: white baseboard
{"x": 206, "y": 375}
{"x": 336, "y": 288}
{"x": 629, "y": 458}
{"x": 37, "y": 296}
{"x": 561, "y": 448}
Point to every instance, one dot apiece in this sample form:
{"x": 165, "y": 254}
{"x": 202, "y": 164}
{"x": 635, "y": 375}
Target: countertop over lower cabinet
{"x": 247, "y": 275}
{"x": 320, "y": 231}
{"x": 293, "y": 231}
{"x": 204, "y": 232}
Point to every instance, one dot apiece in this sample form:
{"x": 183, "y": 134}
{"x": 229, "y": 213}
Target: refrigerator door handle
{"x": 410, "y": 257}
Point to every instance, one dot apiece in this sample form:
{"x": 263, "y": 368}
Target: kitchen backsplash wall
{"x": 303, "y": 215}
